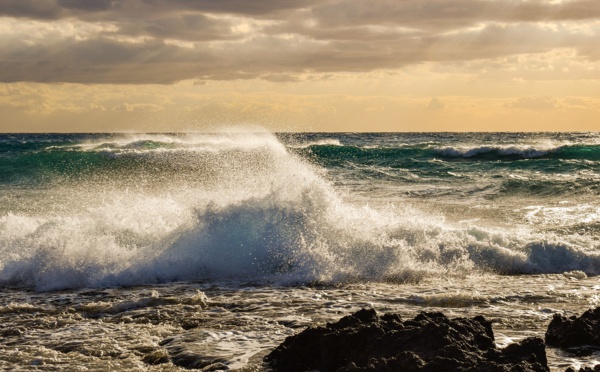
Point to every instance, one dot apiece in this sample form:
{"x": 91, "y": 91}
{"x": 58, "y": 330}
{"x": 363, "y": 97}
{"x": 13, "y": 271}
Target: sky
{"x": 299, "y": 65}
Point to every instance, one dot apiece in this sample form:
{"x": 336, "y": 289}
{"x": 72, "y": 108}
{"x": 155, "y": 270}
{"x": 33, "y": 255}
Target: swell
{"x": 497, "y": 170}
{"x": 31, "y": 162}
{"x": 332, "y": 154}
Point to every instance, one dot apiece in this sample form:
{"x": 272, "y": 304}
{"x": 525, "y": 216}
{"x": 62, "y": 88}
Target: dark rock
{"x": 430, "y": 342}
{"x": 191, "y": 323}
{"x": 575, "y": 332}
{"x": 596, "y": 368}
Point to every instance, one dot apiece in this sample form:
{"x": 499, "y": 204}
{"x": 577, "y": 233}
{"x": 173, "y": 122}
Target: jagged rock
{"x": 364, "y": 341}
{"x": 575, "y": 332}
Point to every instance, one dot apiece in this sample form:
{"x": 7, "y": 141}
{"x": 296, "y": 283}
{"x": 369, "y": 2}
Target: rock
{"x": 364, "y": 341}
{"x": 575, "y": 332}
{"x": 596, "y": 368}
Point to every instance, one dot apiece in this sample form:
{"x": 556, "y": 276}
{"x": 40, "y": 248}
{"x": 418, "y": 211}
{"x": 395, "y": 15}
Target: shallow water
{"x": 236, "y": 324}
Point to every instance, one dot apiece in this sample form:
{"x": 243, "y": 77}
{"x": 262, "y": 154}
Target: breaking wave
{"x": 239, "y": 206}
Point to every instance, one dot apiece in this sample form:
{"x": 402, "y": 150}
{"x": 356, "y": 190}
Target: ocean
{"x": 165, "y": 251}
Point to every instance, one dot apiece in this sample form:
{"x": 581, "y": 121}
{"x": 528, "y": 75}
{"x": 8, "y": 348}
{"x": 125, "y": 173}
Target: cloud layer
{"x": 160, "y": 41}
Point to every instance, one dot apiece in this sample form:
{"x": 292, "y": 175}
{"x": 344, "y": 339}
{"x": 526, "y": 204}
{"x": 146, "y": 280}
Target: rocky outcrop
{"x": 365, "y": 341}
{"x": 575, "y": 332}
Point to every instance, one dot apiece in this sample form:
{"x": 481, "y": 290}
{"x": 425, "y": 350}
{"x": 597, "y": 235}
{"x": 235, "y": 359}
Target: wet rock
{"x": 365, "y": 341}
{"x": 156, "y": 357}
{"x": 575, "y": 332}
{"x": 190, "y": 323}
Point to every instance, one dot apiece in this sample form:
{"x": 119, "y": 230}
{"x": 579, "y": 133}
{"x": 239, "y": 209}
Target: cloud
{"x": 86, "y": 9}
{"x": 93, "y": 6}
{"x": 36, "y": 9}
{"x": 160, "y": 41}
{"x": 241, "y": 7}
{"x": 452, "y": 14}
{"x": 187, "y": 27}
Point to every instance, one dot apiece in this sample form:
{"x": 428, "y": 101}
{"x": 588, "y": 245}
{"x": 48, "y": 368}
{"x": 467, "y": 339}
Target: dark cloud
{"x": 85, "y": 9}
{"x": 93, "y": 6}
{"x": 187, "y": 27}
{"x": 415, "y": 13}
{"x": 41, "y": 9}
{"x": 160, "y": 41}
{"x": 240, "y": 7}
{"x": 104, "y": 61}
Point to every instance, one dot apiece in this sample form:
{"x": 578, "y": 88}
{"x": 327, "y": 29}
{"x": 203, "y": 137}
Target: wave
{"x": 320, "y": 142}
{"x": 466, "y": 152}
{"x": 333, "y": 155}
{"x": 569, "y": 151}
{"x": 250, "y": 211}
{"x": 570, "y": 186}
{"x": 510, "y": 151}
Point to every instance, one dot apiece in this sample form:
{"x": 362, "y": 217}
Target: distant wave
{"x": 467, "y": 151}
{"x": 525, "y": 152}
{"x": 509, "y": 152}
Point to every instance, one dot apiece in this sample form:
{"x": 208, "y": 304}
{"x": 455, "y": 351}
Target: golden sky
{"x": 299, "y": 65}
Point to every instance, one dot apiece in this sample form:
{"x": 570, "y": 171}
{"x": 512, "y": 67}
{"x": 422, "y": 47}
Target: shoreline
{"x": 249, "y": 321}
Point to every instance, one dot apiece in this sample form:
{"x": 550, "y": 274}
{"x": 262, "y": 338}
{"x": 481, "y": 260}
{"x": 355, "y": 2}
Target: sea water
{"x": 159, "y": 251}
